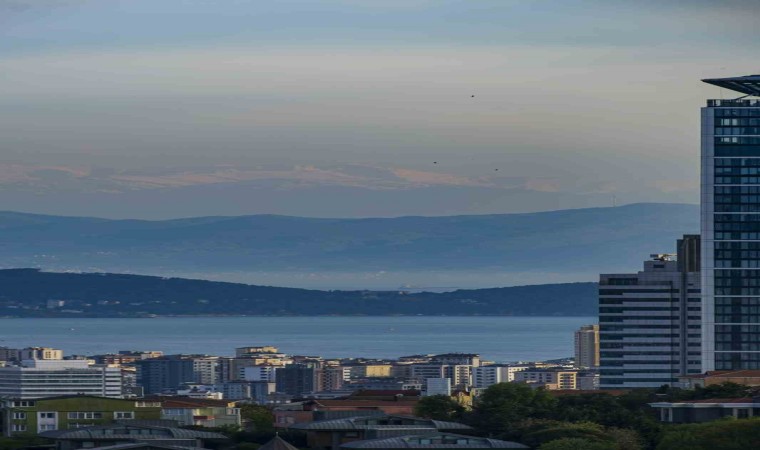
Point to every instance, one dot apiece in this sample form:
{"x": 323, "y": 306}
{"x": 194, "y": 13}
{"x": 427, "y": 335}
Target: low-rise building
{"x": 707, "y": 410}
{"x": 125, "y": 435}
{"x": 334, "y": 433}
{"x": 432, "y": 441}
{"x": 745, "y": 377}
{"x": 22, "y": 416}
{"x": 199, "y": 412}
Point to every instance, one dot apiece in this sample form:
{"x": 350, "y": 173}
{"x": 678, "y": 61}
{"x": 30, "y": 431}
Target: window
{"x": 18, "y": 427}
{"x": 47, "y": 415}
{"x": 23, "y": 403}
{"x": 19, "y": 415}
{"x": 85, "y": 415}
{"x": 47, "y": 427}
{"x": 123, "y": 415}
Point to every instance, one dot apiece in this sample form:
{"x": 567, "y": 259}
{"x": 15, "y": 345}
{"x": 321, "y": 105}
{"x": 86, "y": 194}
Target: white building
{"x": 485, "y": 376}
{"x": 49, "y": 378}
{"x": 650, "y": 321}
{"x": 731, "y": 227}
{"x": 438, "y": 386}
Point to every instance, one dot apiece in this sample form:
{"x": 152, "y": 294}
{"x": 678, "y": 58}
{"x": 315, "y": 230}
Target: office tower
{"x": 587, "y": 346}
{"x": 649, "y": 322}
{"x": 38, "y": 378}
{"x": 731, "y": 227}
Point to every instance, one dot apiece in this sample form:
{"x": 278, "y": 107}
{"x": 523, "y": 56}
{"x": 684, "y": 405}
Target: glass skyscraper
{"x": 730, "y": 198}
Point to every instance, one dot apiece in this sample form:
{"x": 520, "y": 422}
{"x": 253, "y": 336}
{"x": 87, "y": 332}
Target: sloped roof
{"x": 432, "y": 441}
{"x": 131, "y": 432}
{"x": 749, "y": 84}
{"x": 278, "y": 443}
{"x": 145, "y": 445}
{"x": 378, "y": 422}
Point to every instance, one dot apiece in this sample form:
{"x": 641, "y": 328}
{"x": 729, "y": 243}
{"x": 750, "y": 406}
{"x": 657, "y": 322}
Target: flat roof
{"x": 749, "y": 84}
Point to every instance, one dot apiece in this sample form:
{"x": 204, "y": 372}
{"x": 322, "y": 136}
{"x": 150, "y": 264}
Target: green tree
{"x": 257, "y": 418}
{"x": 576, "y": 444}
{"x": 501, "y": 407}
{"x": 721, "y": 434}
{"x": 439, "y": 407}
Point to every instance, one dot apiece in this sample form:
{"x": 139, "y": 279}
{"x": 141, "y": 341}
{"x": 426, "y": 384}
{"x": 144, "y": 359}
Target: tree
{"x": 439, "y": 407}
{"x": 502, "y": 406}
{"x": 257, "y": 418}
{"x": 729, "y": 434}
{"x": 576, "y": 444}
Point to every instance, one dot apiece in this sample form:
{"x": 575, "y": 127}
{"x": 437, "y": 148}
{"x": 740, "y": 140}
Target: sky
{"x": 355, "y": 108}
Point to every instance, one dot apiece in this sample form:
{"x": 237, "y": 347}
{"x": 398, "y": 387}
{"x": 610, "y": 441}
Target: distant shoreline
{"x": 187, "y": 316}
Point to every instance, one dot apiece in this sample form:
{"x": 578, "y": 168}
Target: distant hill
{"x": 578, "y": 240}
{"x": 25, "y": 293}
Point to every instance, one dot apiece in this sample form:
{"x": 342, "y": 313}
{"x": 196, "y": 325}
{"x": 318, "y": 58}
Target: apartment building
{"x": 68, "y": 412}
{"x": 35, "y": 379}
{"x": 551, "y": 379}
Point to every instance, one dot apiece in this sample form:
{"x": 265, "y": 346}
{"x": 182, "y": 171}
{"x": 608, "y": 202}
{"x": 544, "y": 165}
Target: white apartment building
{"x": 460, "y": 375}
{"x": 485, "y": 376}
{"x": 50, "y": 378}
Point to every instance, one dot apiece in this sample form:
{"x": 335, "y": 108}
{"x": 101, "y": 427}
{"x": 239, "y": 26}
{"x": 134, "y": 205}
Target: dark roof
{"x": 433, "y": 441}
{"x": 145, "y": 445}
{"x": 749, "y": 84}
{"x": 277, "y": 443}
{"x": 379, "y": 422}
{"x": 124, "y": 431}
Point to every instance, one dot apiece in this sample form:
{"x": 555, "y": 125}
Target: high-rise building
{"x": 298, "y": 379}
{"x": 168, "y": 373}
{"x": 587, "y": 346}
{"x": 731, "y": 227}
{"x": 649, "y": 322}
{"x": 37, "y": 378}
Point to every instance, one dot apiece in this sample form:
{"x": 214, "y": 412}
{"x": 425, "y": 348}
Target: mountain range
{"x": 538, "y": 248}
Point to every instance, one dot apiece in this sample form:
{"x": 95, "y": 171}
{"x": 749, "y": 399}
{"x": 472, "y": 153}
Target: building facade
{"x": 731, "y": 227}
{"x": 69, "y": 412}
{"x": 650, "y": 321}
{"x": 587, "y": 347}
{"x": 48, "y": 378}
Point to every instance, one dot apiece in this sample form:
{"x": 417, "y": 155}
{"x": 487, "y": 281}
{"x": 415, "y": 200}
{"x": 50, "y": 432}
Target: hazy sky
{"x": 145, "y": 108}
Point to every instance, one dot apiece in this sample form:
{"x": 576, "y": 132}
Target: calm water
{"x": 496, "y": 338}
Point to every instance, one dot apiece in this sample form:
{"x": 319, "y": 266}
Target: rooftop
{"x": 380, "y": 422}
{"x": 429, "y": 441}
{"x": 122, "y": 431}
{"x": 749, "y": 84}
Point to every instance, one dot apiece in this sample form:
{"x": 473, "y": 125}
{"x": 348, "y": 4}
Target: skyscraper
{"x": 649, "y": 322}
{"x": 730, "y": 219}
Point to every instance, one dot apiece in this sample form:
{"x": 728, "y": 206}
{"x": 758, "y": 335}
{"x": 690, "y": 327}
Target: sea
{"x": 501, "y": 339}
